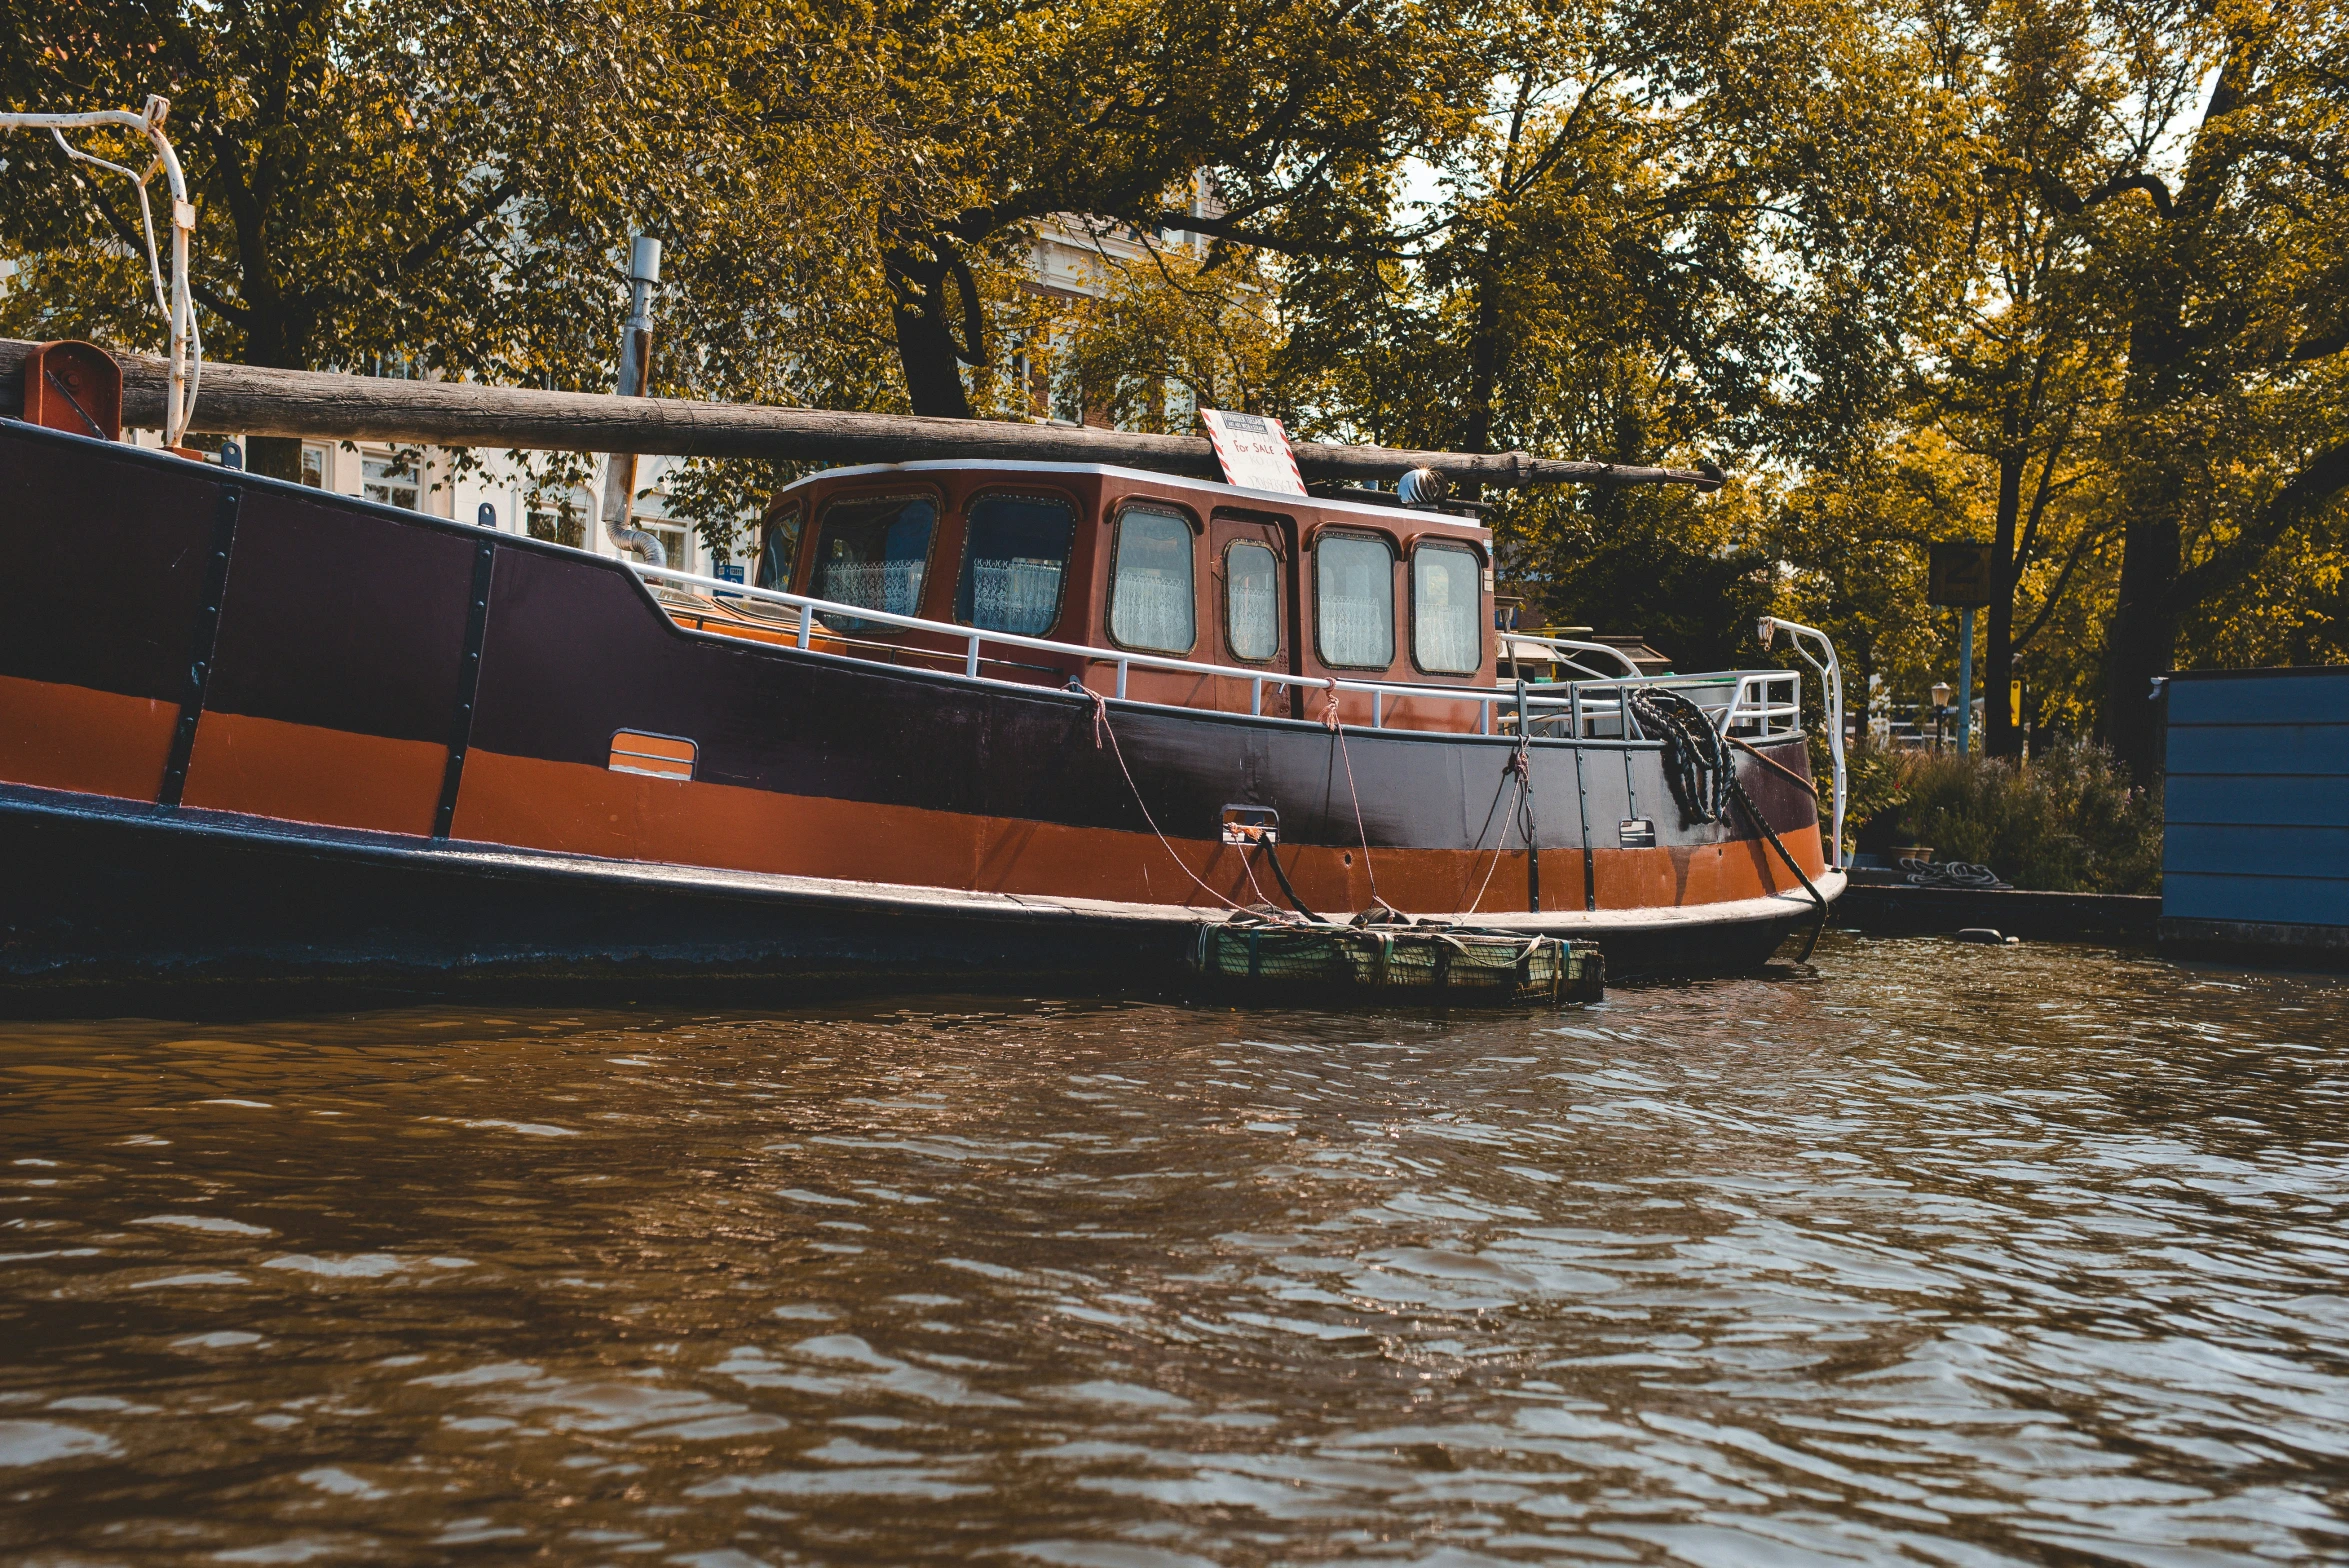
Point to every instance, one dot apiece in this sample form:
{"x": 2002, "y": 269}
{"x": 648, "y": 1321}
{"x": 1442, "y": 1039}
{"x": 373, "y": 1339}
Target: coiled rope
{"x": 1703, "y": 779}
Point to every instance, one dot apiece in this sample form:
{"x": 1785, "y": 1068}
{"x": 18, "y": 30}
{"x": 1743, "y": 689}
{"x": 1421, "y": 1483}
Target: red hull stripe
{"x": 72, "y": 737}
{"x": 308, "y": 773}
{"x": 536, "y": 804}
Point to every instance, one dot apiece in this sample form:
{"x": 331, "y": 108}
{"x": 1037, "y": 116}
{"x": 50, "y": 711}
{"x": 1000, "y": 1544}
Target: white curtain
{"x": 1252, "y": 590}
{"x": 894, "y": 586}
{"x": 1447, "y": 631}
{"x": 1355, "y": 601}
{"x": 1017, "y": 596}
{"x": 1151, "y": 605}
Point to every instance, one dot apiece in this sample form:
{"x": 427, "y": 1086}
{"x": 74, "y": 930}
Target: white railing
{"x": 1746, "y": 704}
{"x": 1487, "y": 700}
{"x": 1561, "y": 650}
{"x": 1831, "y": 678}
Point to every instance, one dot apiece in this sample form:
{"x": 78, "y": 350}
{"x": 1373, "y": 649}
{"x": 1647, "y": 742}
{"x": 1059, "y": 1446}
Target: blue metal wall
{"x": 2257, "y": 803}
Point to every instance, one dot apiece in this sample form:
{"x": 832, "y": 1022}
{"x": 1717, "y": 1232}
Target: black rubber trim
{"x": 468, "y": 687}
{"x": 204, "y": 644}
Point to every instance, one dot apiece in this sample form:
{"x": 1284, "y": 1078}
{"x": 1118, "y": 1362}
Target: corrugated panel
{"x": 2298, "y": 901}
{"x": 2286, "y": 800}
{"x": 2259, "y": 748}
{"x": 2236, "y": 848}
{"x": 2262, "y": 697}
{"x": 2257, "y": 800}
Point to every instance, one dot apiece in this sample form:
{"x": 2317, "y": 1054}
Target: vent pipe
{"x": 644, "y": 272}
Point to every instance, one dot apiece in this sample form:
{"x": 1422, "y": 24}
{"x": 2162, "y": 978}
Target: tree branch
{"x": 2324, "y": 347}
{"x": 2324, "y": 476}
{"x": 457, "y": 225}
{"x": 2066, "y": 201}
{"x": 2055, "y": 593}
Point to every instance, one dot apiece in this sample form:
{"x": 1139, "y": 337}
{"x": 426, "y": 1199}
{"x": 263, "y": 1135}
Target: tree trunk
{"x": 1484, "y": 364}
{"x": 926, "y": 347}
{"x": 933, "y": 371}
{"x": 2144, "y": 634}
{"x": 273, "y": 341}
{"x": 277, "y": 457}
{"x": 2000, "y": 738}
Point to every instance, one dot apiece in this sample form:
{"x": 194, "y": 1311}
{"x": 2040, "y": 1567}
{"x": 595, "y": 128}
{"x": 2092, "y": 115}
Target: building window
{"x": 314, "y": 467}
{"x": 1015, "y": 551}
{"x": 1354, "y": 594}
{"x": 1252, "y": 601}
{"x": 557, "y": 525}
{"x": 1447, "y": 621}
{"x": 1151, "y": 598}
{"x": 1067, "y": 394}
{"x": 390, "y": 481}
{"x": 874, "y": 552}
{"x": 676, "y": 541}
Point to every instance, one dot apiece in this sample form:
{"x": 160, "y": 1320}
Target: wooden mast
{"x": 247, "y": 400}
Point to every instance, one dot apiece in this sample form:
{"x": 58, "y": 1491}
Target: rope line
{"x": 1704, "y": 782}
{"x": 1329, "y": 719}
{"x": 1492, "y": 865}
{"x": 1101, "y": 728}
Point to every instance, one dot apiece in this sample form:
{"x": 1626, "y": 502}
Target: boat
{"x": 972, "y": 722}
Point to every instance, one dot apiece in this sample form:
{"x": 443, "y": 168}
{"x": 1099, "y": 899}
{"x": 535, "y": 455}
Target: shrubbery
{"x": 2068, "y": 821}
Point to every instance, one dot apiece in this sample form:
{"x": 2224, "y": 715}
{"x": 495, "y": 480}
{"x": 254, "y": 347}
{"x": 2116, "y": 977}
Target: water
{"x": 1948, "y": 1255}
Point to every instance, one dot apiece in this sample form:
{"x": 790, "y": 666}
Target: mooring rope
{"x": 1101, "y": 728}
{"x": 1329, "y": 720}
{"x": 1516, "y": 769}
{"x": 1703, "y": 779}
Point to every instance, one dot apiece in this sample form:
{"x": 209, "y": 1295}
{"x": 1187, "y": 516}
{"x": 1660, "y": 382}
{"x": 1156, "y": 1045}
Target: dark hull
{"x": 285, "y": 733}
{"x": 106, "y": 905}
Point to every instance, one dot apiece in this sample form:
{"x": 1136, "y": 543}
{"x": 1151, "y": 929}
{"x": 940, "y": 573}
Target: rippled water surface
{"x": 1944, "y": 1255}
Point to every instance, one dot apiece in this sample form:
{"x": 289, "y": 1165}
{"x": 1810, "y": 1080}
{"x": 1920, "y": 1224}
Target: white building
{"x": 494, "y": 493}
{"x": 1068, "y": 258}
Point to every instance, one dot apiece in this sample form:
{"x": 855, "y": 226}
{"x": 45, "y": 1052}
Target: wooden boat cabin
{"x": 1141, "y": 564}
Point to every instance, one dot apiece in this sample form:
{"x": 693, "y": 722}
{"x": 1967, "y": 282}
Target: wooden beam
{"x": 246, "y": 400}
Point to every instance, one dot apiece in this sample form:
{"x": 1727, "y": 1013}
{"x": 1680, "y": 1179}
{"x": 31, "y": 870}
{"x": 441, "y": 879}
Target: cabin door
{"x": 1253, "y": 584}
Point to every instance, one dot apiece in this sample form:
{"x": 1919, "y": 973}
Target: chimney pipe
{"x": 644, "y": 272}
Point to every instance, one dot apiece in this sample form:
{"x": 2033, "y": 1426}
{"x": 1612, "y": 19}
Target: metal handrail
{"x": 1831, "y": 679}
{"x": 1581, "y": 697}
{"x": 1486, "y": 699}
{"x": 1556, "y": 644}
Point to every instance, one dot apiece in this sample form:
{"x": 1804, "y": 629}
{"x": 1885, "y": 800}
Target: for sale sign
{"x": 1254, "y": 451}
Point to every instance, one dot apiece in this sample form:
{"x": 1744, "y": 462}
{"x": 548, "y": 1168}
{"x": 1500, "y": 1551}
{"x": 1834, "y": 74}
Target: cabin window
{"x": 1447, "y": 621}
{"x": 1014, "y": 555}
{"x": 873, "y": 553}
{"x": 1354, "y": 593}
{"x": 1151, "y": 598}
{"x": 775, "y": 555}
{"x": 1252, "y": 601}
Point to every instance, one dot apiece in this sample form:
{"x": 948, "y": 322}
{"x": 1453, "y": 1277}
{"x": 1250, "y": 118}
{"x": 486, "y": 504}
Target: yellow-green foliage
{"x": 2066, "y": 822}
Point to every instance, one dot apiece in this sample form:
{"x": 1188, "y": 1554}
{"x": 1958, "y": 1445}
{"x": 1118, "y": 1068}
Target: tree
{"x": 391, "y": 180}
{"x": 2228, "y": 262}
{"x": 1302, "y": 109}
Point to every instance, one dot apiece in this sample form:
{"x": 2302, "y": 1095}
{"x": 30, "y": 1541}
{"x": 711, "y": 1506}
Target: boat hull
{"x": 107, "y": 903}
{"x": 300, "y": 734}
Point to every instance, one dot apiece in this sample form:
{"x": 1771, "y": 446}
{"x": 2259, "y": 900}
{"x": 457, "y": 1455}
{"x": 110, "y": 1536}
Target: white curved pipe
{"x": 1831, "y": 674}
{"x": 179, "y": 313}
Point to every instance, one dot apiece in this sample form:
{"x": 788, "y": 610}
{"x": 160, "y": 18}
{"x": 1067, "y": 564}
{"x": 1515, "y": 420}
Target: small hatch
{"x": 657, "y": 756}
{"x": 1249, "y": 825}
